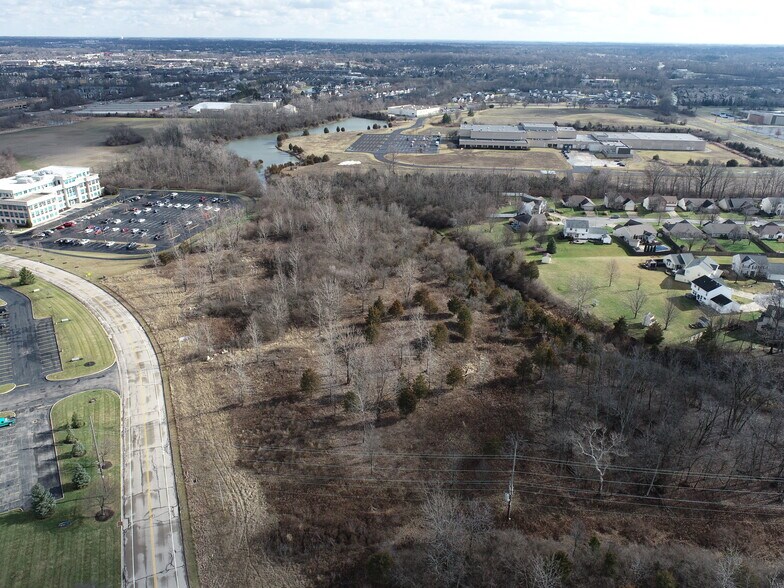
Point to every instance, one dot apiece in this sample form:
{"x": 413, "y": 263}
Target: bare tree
{"x": 242, "y": 382}
{"x": 600, "y": 447}
{"x": 655, "y": 173}
{"x": 442, "y": 523}
{"x": 254, "y": 335}
{"x": 581, "y": 289}
{"x": 670, "y": 310}
{"x": 545, "y": 572}
{"x": 408, "y": 273}
{"x": 613, "y": 269}
{"x": 635, "y": 300}
{"x": 727, "y": 569}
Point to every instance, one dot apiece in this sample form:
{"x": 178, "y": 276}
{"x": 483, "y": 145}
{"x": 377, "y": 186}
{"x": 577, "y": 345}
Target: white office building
{"x": 412, "y": 111}
{"x": 30, "y": 198}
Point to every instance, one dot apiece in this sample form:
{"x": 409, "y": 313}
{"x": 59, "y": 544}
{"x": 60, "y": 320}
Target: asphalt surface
{"x": 28, "y": 352}
{"x": 108, "y": 225}
{"x": 152, "y": 550}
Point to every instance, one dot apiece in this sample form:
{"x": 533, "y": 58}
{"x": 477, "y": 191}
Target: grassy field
{"x": 86, "y": 552}
{"x": 80, "y": 143}
{"x": 89, "y": 265}
{"x": 80, "y": 336}
{"x": 535, "y": 159}
{"x": 776, "y": 245}
{"x": 6, "y": 388}
{"x": 564, "y": 116}
{"x": 715, "y": 153}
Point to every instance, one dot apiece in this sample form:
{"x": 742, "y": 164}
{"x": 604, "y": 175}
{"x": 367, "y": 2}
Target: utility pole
{"x": 510, "y": 490}
{"x": 100, "y": 467}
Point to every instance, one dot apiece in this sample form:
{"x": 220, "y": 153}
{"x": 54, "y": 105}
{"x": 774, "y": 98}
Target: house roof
{"x": 577, "y": 223}
{"x": 680, "y": 258}
{"x": 577, "y": 200}
{"x": 683, "y": 227}
{"x": 758, "y": 259}
{"x": 707, "y": 283}
{"x": 721, "y": 300}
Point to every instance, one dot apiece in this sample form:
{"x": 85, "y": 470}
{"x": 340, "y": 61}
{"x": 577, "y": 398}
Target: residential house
{"x": 532, "y": 204}
{"x": 659, "y": 203}
{"x": 578, "y": 202}
{"x": 757, "y": 266}
{"x": 639, "y": 236}
{"x": 713, "y": 293}
{"x": 529, "y": 223}
{"x": 696, "y": 268}
{"x": 727, "y": 229}
{"x": 771, "y": 323}
{"x": 698, "y": 205}
{"x": 585, "y": 229}
{"x": 683, "y": 230}
{"x": 769, "y": 231}
{"x": 619, "y": 202}
{"x": 773, "y": 205}
{"x": 745, "y": 206}
{"x": 676, "y": 261}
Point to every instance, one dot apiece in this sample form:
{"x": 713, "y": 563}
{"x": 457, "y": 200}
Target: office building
{"x": 30, "y": 198}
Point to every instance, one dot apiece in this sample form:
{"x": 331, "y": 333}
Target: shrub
{"x": 464, "y": 322}
{"x": 80, "y": 478}
{"x": 454, "y": 304}
{"x": 70, "y": 438}
{"x": 439, "y": 335}
{"x": 310, "y": 381}
{"x": 351, "y": 402}
{"x": 732, "y": 163}
{"x": 420, "y": 296}
{"x": 396, "y": 309}
{"x": 430, "y": 306}
{"x": 610, "y": 564}
{"x": 455, "y": 376}
{"x": 406, "y": 399}
{"x": 372, "y": 332}
{"x": 664, "y": 579}
{"x": 379, "y": 567}
{"x": 77, "y": 422}
{"x": 654, "y": 334}
{"x": 552, "y": 248}
{"x": 78, "y": 449}
{"x": 420, "y": 387}
{"x": 123, "y": 135}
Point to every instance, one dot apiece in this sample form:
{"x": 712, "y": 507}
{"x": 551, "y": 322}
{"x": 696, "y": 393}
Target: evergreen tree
{"x": 43, "y": 501}
{"x": 551, "y": 246}
{"x": 455, "y": 376}
{"x": 395, "y": 309}
{"x": 420, "y": 387}
{"x": 78, "y": 449}
{"x": 439, "y": 335}
{"x": 654, "y": 334}
{"x": 80, "y": 478}
{"x": 77, "y": 422}
{"x": 26, "y": 277}
{"x": 406, "y": 400}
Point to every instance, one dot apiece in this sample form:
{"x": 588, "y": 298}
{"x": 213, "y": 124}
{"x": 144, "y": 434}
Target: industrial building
{"x": 527, "y": 135}
{"x": 758, "y": 117}
{"x": 213, "y": 106}
{"x": 31, "y": 198}
{"x": 124, "y": 108}
{"x": 412, "y": 111}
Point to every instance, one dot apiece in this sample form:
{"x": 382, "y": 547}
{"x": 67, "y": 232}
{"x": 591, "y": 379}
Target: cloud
{"x": 666, "y": 21}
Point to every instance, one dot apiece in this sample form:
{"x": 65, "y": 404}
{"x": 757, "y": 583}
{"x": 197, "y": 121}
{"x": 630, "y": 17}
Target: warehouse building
{"x": 757, "y": 117}
{"x": 124, "y": 108}
{"x": 218, "y": 106}
{"x": 412, "y": 111}
{"x": 31, "y": 198}
{"x": 527, "y": 135}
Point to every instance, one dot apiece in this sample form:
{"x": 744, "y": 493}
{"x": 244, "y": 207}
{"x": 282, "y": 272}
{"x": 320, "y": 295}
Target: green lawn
{"x": 776, "y": 245}
{"x": 87, "y": 552}
{"x": 743, "y": 246}
{"x": 80, "y": 336}
{"x": 611, "y": 301}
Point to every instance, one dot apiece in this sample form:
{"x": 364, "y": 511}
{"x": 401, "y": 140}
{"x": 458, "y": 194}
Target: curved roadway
{"x": 152, "y": 550}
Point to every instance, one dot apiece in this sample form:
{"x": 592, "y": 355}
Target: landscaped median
{"x": 79, "y": 334}
{"x": 72, "y": 547}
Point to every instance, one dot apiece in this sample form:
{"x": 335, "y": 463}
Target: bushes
{"x": 310, "y": 382}
{"x": 80, "y": 476}
{"x": 379, "y": 568}
{"x": 455, "y": 376}
{"x": 439, "y": 335}
{"x": 78, "y": 449}
{"x": 123, "y": 135}
{"x": 26, "y": 277}
{"x": 77, "y": 422}
{"x": 406, "y": 398}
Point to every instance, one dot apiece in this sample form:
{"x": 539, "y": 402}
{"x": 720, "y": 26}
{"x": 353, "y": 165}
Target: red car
{"x": 69, "y": 224}
{"x": 59, "y": 227}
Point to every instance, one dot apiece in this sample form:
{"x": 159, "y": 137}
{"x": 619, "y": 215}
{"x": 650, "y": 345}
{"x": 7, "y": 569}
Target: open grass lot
{"x": 703, "y": 247}
{"x": 89, "y": 265}
{"x": 714, "y": 153}
{"x": 611, "y": 301}
{"x": 80, "y": 336}
{"x": 535, "y": 159}
{"x": 86, "y": 552}
{"x": 776, "y": 245}
{"x": 564, "y": 116}
{"x": 83, "y": 141}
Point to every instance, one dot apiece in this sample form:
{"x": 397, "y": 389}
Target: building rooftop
{"x": 707, "y": 283}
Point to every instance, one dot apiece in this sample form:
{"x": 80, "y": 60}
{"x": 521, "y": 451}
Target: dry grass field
{"x": 714, "y": 153}
{"x": 80, "y": 143}
{"x": 535, "y": 159}
{"x": 608, "y": 116}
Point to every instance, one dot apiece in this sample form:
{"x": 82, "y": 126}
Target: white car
{"x": 189, "y": 223}
{"x": 115, "y": 229}
{"x": 208, "y": 208}
{"x": 89, "y": 231}
{"x": 142, "y": 220}
{"x": 84, "y": 241}
{"x": 110, "y": 243}
{"x": 216, "y": 209}
{"x": 185, "y": 206}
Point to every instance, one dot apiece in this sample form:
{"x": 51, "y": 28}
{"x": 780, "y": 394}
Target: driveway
{"x": 152, "y": 550}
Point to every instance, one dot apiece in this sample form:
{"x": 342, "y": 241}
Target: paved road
{"x": 152, "y": 551}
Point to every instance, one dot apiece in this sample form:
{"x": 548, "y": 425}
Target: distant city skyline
{"x": 621, "y": 21}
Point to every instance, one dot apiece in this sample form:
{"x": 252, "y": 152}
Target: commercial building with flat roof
{"x": 31, "y": 198}
{"x": 526, "y": 135}
{"x": 124, "y": 108}
{"x": 412, "y": 111}
{"x": 758, "y": 117}
{"x": 207, "y": 106}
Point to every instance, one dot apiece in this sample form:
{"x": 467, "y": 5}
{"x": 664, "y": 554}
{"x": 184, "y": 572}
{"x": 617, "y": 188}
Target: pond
{"x": 264, "y": 147}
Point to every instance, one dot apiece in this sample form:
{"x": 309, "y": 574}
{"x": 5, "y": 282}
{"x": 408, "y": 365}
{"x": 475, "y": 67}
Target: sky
{"x": 625, "y": 21}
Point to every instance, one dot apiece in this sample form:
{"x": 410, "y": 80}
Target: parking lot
{"x": 395, "y": 143}
{"x": 136, "y": 221}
